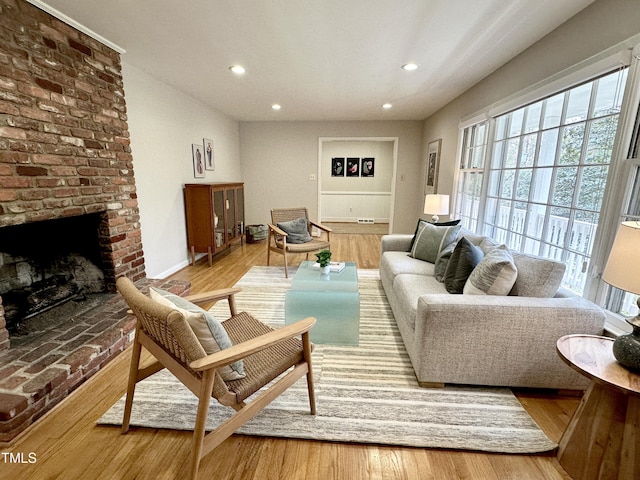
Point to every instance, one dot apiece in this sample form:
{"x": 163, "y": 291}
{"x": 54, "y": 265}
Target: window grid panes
{"x": 547, "y": 172}
{"x": 474, "y": 148}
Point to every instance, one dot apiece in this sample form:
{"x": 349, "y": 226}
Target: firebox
{"x": 46, "y": 264}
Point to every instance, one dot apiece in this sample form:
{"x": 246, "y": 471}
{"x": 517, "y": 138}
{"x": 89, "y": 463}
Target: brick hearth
{"x": 36, "y": 377}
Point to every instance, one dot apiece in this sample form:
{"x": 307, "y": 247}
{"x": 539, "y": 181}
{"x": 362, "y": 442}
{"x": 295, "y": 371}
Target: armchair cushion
{"x": 494, "y": 275}
{"x": 431, "y": 239}
{"x": 210, "y": 332}
{"x": 297, "y": 230}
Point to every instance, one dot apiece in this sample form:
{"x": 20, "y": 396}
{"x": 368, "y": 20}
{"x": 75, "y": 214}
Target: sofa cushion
{"x": 494, "y": 275}
{"x": 431, "y": 239}
{"x": 464, "y": 259}
{"x": 408, "y": 288}
{"x": 297, "y": 230}
{"x": 451, "y": 223}
{"x": 537, "y": 276}
{"x": 397, "y": 263}
{"x": 209, "y": 331}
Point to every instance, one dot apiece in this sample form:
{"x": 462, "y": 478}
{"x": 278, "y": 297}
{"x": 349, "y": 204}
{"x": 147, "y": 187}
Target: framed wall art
{"x": 209, "y": 160}
{"x": 337, "y": 166}
{"x": 198, "y": 160}
{"x": 353, "y": 167}
{"x": 433, "y": 164}
{"x": 367, "y": 167}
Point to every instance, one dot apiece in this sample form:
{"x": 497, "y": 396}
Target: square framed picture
{"x": 337, "y": 167}
{"x": 209, "y": 159}
{"x": 367, "y": 167}
{"x": 353, "y": 167}
{"x": 198, "y": 160}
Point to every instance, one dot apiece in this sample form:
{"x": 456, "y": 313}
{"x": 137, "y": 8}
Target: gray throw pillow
{"x": 464, "y": 259}
{"x": 494, "y": 275}
{"x": 210, "y": 332}
{"x": 297, "y": 230}
{"x": 430, "y": 240}
{"x": 450, "y": 223}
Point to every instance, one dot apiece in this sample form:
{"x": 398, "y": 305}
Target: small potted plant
{"x": 324, "y": 260}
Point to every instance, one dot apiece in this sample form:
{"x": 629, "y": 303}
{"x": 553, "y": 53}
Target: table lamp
{"x": 622, "y": 272}
{"x": 436, "y": 204}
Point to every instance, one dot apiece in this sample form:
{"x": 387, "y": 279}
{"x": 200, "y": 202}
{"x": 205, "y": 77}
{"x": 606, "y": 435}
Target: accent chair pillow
{"x": 451, "y": 223}
{"x": 297, "y": 230}
{"x": 210, "y": 332}
{"x": 431, "y": 239}
{"x": 464, "y": 259}
{"x": 494, "y": 275}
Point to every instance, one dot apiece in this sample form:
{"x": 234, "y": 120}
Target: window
{"x": 474, "y": 145}
{"x": 546, "y": 168}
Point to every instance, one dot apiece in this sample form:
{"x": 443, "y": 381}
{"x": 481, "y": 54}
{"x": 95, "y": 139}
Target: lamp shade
{"x": 622, "y": 270}
{"x": 436, "y": 204}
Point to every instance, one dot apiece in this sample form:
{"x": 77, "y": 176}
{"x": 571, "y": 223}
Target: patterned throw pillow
{"x": 463, "y": 261}
{"x": 494, "y": 275}
{"x": 297, "y": 230}
{"x": 210, "y": 332}
{"x": 431, "y": 239}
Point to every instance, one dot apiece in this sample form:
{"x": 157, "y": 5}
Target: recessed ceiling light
{"x": 410, "y": 66}
{"x": 387, "y": 106}
{"x": 237, "y": 69}
{"x": 276, "y": 106}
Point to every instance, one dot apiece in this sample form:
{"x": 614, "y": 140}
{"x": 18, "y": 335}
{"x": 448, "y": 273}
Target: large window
{"x": 546, "y": 167}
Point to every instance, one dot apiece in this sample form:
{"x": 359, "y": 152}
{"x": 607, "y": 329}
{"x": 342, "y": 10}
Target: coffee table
{"x": 601, "y": 440}
{"x": 332, "y": 299}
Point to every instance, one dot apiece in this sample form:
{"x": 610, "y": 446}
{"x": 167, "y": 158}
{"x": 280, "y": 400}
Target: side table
{"x": 602, "y": 439}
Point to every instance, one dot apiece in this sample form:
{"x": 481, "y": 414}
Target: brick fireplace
{"x": 64, "y": 153}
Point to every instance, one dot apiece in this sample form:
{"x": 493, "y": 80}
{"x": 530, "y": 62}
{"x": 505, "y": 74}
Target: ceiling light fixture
{"x": 276, "y": 106}
{"x": 410, "y": 66}
{"x": 237, "y": 69}
{"x": 387, "y": 106}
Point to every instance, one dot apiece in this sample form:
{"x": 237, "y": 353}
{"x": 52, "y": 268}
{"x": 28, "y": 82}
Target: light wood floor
{"x": 68, "y": 445}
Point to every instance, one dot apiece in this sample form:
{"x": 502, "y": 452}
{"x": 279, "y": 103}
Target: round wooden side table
{"x": 602, "y": 439}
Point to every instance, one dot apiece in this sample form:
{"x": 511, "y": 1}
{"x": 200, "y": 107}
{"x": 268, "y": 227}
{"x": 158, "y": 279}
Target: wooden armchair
{"x": 277, "y": 238}
{"x": 266, "y": 353}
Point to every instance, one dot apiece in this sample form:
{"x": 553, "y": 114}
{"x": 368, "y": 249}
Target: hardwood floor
{"x": 67, "y": 444}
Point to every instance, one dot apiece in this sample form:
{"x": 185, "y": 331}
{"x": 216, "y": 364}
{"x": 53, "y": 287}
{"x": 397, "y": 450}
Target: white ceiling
{"x": 321, "y": 59}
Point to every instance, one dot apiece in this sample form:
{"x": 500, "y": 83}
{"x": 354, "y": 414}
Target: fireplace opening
{"x": 49, "y": 271}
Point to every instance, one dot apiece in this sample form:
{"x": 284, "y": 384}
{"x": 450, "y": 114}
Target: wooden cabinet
{"x": 214, "y": 216}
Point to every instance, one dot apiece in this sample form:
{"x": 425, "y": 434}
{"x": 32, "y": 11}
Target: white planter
{"x": 325, "y": 270}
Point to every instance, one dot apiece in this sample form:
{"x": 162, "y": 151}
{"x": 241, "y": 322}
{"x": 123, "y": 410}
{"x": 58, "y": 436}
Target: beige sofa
{"x": 506, "y": 340}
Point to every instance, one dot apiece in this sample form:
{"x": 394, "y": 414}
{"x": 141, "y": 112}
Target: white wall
{"x": 163, "y": 123}
{"x": 600, "y": 26}
{"x": 278, "y": 157}
{"x": 346, "y": 199}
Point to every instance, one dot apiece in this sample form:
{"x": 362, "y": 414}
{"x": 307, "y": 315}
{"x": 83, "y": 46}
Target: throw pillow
{"x": 297, "y": 230}
{"x": 210, "y": 332}
{"x": 431, "y": 239}
{"x": 452, "y": 223}
{"x": 494, "y": 275}
{"x": 464, "y": 259}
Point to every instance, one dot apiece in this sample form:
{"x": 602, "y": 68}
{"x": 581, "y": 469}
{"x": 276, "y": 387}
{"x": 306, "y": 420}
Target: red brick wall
{"x": 64, "y": 139}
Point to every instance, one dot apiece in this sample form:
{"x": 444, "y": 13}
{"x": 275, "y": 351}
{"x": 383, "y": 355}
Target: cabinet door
{"x": 240, "y": 210}
{"x": 219, "y": 215}
{"x": 232, "y": 230}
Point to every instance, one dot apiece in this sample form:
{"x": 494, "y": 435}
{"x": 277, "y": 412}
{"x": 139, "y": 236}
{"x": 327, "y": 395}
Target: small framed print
{"x": 337, "y": 167}
{"x": 198, "y": 161}
{"x": 209, "y": 159}
{"x": 353, "y": 167}
{"x": 433, "y": 164}
{"x": 367, "y": 167}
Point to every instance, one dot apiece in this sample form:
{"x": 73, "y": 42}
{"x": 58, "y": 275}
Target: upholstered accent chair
{"x": 290, "y": 232}
{"x": 175, "y": 343}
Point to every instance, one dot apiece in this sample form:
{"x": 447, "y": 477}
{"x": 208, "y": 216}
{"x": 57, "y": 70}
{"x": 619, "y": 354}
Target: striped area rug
{"x": 365, "y": 394}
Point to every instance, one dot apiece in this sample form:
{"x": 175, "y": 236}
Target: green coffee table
{"x": 333, "y": 299}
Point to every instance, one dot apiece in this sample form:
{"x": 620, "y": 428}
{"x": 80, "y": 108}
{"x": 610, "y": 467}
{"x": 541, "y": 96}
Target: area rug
{"x": 365, "y": 394}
